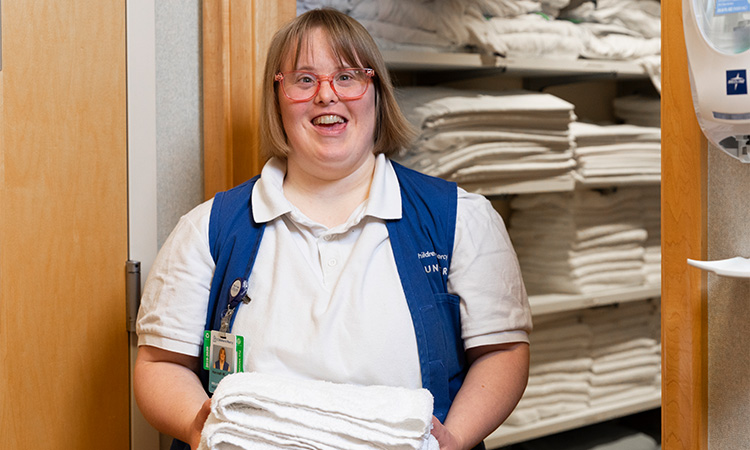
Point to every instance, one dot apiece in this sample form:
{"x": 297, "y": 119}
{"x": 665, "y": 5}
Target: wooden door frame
{"x": 684, "y": 235}
{"x": 236, "y": 35}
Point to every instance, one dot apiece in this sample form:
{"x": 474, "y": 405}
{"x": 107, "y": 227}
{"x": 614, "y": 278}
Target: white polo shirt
{"x": 328, "y": 303}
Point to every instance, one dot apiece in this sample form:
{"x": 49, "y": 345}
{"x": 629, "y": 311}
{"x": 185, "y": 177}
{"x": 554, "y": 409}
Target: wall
{"x": 179, "y": 124}
{"x": 728, "y": 299}
{"x": 179, "y": 138}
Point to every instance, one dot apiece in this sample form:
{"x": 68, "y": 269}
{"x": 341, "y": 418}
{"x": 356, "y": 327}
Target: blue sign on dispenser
{"x": 736, "y": 82}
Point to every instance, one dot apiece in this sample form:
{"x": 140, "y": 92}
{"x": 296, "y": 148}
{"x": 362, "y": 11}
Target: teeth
{"x": 328, "y": 119}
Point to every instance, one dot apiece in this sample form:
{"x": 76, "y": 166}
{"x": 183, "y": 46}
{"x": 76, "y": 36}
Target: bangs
{"x": 348, "y": 52}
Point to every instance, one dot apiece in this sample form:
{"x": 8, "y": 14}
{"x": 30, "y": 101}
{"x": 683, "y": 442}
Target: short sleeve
{"x": 174, "y": 303}
{"x": 486, "y": 276}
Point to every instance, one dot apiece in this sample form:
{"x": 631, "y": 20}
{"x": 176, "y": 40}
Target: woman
{"x": 222, "y": 363}
{"x": 335, "y": 294}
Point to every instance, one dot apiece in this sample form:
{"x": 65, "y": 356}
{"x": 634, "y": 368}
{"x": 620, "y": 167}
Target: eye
{"x": 347, "y": 76}
{"x": 305, "y": 79}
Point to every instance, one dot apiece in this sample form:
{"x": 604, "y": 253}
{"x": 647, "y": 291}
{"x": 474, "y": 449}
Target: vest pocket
{"x": 455, "y": 360}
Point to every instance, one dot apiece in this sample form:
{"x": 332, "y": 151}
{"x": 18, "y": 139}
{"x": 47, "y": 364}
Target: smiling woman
{"x": 369, "y": 274}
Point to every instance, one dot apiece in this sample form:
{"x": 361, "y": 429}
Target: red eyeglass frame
{"x": 369, "y": 73}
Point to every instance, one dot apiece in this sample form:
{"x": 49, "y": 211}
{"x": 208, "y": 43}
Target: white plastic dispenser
{"x": 717, "y": 37}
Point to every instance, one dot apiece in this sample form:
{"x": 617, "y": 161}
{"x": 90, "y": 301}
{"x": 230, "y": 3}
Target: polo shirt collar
{"x": 269, "y": 202}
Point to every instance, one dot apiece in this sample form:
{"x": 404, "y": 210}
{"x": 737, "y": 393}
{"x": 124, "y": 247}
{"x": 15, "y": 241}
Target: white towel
{"x": 251, "y": 410}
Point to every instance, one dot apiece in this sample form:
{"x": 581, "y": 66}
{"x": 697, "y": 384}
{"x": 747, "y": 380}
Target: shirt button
{"x": 332, "y": 262}
{"x": 328, "y": 237}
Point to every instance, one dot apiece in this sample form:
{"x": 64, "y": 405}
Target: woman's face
{"x": 329, "y": 138}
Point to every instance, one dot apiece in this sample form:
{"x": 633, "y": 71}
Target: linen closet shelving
{"x": 575, "y": 80}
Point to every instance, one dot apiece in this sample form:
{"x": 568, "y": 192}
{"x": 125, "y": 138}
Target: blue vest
{"x": 422, "y": 243}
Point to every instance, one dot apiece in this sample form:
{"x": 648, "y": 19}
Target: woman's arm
{"x": 170, "y": 394}
{"x": 496, "y": 380}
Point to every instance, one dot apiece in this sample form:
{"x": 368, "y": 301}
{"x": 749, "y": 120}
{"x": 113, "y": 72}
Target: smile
{"x": 328, "y": 119}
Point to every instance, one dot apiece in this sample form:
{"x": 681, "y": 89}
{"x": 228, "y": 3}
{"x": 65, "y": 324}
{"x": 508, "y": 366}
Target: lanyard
{"x": 237, "y": 293}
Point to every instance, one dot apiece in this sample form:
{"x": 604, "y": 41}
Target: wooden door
{"x": 684, "y": 235}
{"x": 63, "y": 225}
{"x": 236, "y": 35}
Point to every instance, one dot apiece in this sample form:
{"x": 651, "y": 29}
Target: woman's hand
{"x": 446, "y": 439}
{"x": 198, "y": 422}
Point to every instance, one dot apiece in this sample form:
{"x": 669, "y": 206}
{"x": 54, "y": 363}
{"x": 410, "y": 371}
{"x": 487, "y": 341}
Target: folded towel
{"x": 251, "y": 410}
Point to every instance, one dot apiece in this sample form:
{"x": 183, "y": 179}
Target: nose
{"x": 326, "y": 94}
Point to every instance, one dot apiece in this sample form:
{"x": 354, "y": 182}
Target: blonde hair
{"x": 350, "y": 43}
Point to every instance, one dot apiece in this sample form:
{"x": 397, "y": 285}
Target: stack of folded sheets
{"x": 638, "y": 110}
{"x": 625, "y": 350}
{"x": 579, "y": 242}
{"x": 651, "y": 197}
{"x": 600, "y": 357}
{"x": 269, "y": 412}
{"x": 610, "y": 155}
{"x": 559, "y": 371}
{"x": 488, "y": 141}
{"x": 553, "y": 29}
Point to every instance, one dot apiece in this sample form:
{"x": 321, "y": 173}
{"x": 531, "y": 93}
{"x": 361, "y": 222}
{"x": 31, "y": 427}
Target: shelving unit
{"x": 553, "y": 303}
{"x": 507, "y": 435}
{"x": 435, "y": 67}
{"x": 431, "y": 61}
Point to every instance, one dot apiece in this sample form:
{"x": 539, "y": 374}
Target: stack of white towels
{"x": 560, "y": 369}
{"x": 638, "y": 110}
{"x": 625, "y": 350}
{"x": 599, "y": 357}
{"x": 490, "y": 141}
{"x": 605, "y": 29}
{"x": 579, "y": 242}
{"x": 610, "y": 155}
{"x": 651, "y": 197}
{"x": 269, "y": 412}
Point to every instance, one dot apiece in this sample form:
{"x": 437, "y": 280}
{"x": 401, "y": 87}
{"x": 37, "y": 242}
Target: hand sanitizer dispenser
{"x": 717, "y": 37}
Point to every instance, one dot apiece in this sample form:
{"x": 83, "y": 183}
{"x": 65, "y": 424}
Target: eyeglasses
{"x": 347, "y": 84}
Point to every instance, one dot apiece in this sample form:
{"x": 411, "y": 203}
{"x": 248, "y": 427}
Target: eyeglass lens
{"x": 347, "y": 83}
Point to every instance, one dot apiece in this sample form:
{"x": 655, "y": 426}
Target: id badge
{"x": 222, "y": 355}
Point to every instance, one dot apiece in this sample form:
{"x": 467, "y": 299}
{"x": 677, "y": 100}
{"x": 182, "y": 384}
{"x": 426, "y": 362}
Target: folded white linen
{"x": 542, "y": 379}
{"x": 280, "y": 412}
{"x": 423, "y": 106}
{"x": 527, "y": 35}
{"x": 631, "y": 375}
{"x": 481, "y": 9}
{"x": 625, "y": 396}
{"x": 524, "y": 237}
{"x": 528, "y": 182}
{"x": 626, "y": 354}
{"x": 558, "y": 387}
{"x": 564, "y": 344}
{"x": 560, "y": 397}
{"x": 522, "y": 416}
{"x": 639, "y": 109}
{"x": 540, "y": 356}
{"x": 599, "y": 367}
{"x": 570, "y": 365}
{"x": 617, "y": 180}
{"x": 560, "y": 408}
{"x": 624, "y": 345}
{"x": 556, "y": 334}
